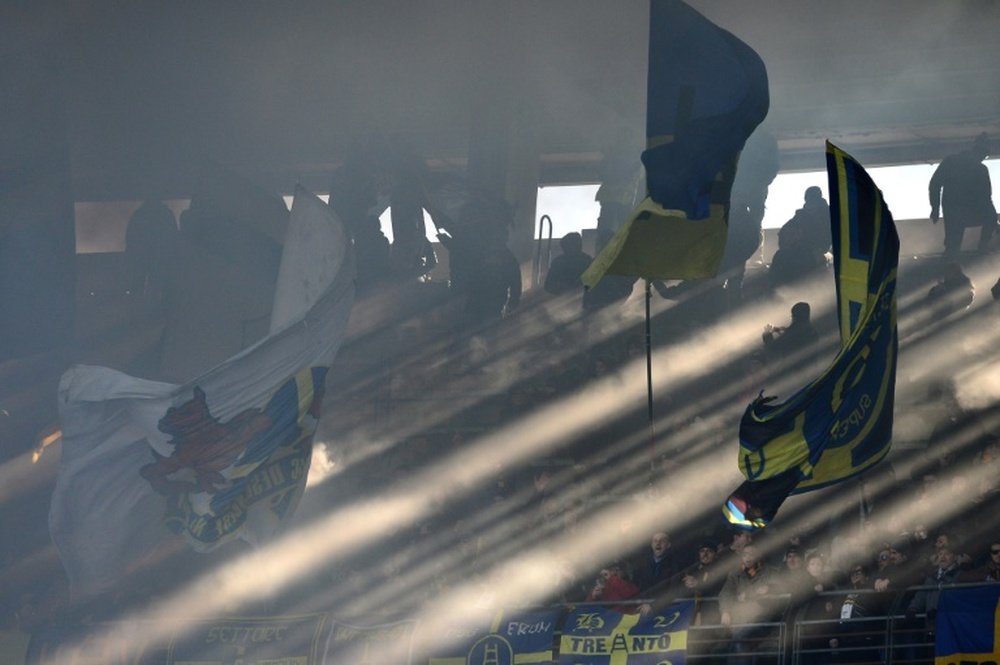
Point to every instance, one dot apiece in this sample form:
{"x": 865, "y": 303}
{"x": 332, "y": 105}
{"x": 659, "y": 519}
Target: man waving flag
{"x": 840, "y": 424}
{"x": 706, "y": 93}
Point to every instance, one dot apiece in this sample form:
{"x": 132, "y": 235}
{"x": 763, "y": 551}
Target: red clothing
{"x": 615, "y": 588}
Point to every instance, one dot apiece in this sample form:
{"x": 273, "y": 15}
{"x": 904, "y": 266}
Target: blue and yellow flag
{"x": 521, "y": 637}
{"x": 840, "y": 424}
{"x": 706, "y": 93}
{"x": 967, "y": 626}
{"x": 596, "y": 635}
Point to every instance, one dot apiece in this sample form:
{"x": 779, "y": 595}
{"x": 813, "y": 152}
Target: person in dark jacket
{"x": 564, "y": 273}
{"x": 960, "y": 187}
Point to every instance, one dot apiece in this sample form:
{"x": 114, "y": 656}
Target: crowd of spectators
{"x": 518, "y": 390}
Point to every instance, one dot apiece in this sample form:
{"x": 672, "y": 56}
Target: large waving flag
{"x": 706, "y": 93}
{"x": 223, "y": 456}
{"x": 840, "y": 424}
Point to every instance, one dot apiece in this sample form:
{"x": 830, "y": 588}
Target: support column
{"x": 503, "y": 153}
{"x": 37, "y": 233}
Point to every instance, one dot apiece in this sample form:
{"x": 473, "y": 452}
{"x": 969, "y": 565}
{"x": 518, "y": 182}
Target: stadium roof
{"x": 280, "y": 90}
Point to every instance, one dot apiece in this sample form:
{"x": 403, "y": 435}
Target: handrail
{"x": 537, "y": 271}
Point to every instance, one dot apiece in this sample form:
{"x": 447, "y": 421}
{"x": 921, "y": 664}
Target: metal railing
{"x": 543, "y": 252}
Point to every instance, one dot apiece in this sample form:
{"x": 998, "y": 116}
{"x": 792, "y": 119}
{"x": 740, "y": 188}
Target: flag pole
{"x": 649, "y": 385}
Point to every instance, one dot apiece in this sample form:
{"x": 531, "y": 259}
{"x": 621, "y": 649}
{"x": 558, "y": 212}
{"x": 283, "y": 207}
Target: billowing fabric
{"x": 706, "y": 93}
{"x": 840, "y": 424}
{"x": 221, "y": 457}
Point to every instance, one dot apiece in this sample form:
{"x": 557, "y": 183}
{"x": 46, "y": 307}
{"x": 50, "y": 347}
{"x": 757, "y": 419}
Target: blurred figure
{"x": 354, "y": 197}
{"x": 411, "y": 253}
{"x": 812, "y": 222}
{"x": 796, "y": 579}
{"x": 612, "y": 585}
{"x": 653, "y": 569}
{"x": 564, "y": 273}
{"x": 747, "y": 598}
{"x": 946, "y": 571}
{"x": 960, "y": 187}
{"x": 802, "y": 242}
{"x": 758, "y": 166}
{"x": 151, "y": 245}
{"x": 953, "y": 292}
{"x": 793, "y": 261}
{"x": 705, "y": 579}
{"x": 858, "y": 639}
{"x": 989, "y": 571}
{"x": 152, "y": 254}
{"x": 783, "y": 342}
{"x": 485, "y": 277}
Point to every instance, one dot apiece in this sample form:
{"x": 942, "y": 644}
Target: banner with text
{"x": 511, "y": 637}
{"x": 596, "y": 635}
{"x": 379, "y": 644}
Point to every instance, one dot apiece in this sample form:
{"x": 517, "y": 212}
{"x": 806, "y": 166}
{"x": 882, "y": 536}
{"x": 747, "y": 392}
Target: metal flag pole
{"x": 649, "y": 385}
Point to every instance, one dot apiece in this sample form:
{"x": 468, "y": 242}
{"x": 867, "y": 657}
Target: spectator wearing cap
{"x": 857, "y": 603}
{"x": 794, "y": 578}
{"x": 704, "y": 580}
{"x": 792, "y": 560}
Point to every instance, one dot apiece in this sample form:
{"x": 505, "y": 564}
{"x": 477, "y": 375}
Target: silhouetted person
{"x": 564, "y": 273}
{"x": 151, "y": 246}
{"x": 812, "y": 221}
{"x": 960, "y": 188}
{"x": 152, "y": 254}
{"x": 757, "y": 169}
{"x": 802, "y": 241}
{"x": 485, "y": 277}
{"x": 353, "y": 197}
{"x": 794, "y": 260}
{"x": 953, "y": 292}
{"x": 799, "y": 334}
{"x": 411, "y": 253}
{"x": 222, "y": 286}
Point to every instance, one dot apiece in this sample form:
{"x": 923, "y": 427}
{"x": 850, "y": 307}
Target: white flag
{"x": 223, "y": 456}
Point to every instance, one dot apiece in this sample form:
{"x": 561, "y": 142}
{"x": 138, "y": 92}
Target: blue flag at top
{"x": 840, "y": 424}
{"x": 706, "y": 93}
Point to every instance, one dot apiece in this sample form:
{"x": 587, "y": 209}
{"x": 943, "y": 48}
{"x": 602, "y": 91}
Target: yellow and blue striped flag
{"x": 840, "y": 424}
